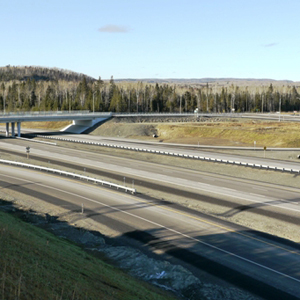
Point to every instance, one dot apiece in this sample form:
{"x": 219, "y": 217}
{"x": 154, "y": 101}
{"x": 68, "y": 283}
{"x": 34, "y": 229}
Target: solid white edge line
{"x": 167, "y": 228}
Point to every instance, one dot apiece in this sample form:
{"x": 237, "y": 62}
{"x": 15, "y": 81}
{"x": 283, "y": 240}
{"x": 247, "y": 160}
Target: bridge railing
{"x": 184, "y": 114}
{"x": 45, "y": 113}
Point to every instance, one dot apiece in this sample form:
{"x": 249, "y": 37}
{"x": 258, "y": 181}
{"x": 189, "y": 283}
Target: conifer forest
{"x": 44, "y": 89}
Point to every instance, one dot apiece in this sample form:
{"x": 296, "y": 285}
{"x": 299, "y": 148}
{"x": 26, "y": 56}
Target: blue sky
{"x": 154, "y": 38}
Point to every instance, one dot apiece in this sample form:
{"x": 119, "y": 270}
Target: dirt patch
{"x": 129, "y": 130}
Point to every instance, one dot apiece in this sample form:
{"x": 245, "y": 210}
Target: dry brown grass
{"x": 269, "y": 134}
{"x": 46, "y": 125}
{"x": 227, "y": 133}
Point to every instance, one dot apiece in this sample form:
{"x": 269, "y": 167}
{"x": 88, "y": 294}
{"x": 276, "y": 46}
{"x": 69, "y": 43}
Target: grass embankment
{"x": 227, "y": 133}
{"x": 271, "y": 134}
{"x": 34, "y": 264}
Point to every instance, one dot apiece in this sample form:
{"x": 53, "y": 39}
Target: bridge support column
{"x": 19, "y": 128}
{"x": 7, "y": 129}
{"x": 13, "y": 129}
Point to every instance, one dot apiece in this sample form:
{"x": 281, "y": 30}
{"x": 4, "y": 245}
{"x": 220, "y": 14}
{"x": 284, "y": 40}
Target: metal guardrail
{"x": 210, "y": 159}
{"x": 46, "y": 113}
{"x": 74, "y": 175}
{"x": 183, "y": 114}
{"x": 115, "y": 114}
{"x": 55, "y": 115}
{"x": 51, "y": 116}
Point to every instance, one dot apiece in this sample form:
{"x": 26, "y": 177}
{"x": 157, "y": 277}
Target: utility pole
{"x": 68, "y": 102}
{"x": 279, "y": 106}
{"x": 207, "y": 97}
{"x": 94, "y": 101}
{"x": 4, "y": 102}
{"x": 137, "y": 101}
{"x": 180, "y": 103}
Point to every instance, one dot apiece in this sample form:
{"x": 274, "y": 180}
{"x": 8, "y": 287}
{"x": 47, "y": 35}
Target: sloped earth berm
{"x": 158, "y": 272}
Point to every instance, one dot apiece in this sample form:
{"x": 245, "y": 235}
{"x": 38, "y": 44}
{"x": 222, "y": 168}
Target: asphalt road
{"x": 258, "y": 195}
{"x": 261, "y": 265}
{"x": 188, "y": 150}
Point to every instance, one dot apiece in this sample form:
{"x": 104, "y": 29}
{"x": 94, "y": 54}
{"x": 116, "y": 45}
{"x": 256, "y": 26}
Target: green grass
{"x": 35, "y": 264}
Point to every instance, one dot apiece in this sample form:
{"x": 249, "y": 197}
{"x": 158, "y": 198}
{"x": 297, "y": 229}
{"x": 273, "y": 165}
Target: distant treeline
{"x": 63, "y": 90}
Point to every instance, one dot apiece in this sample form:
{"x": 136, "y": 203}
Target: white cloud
{"x": 270, "y": 45}
{"x": 113, "y": 29}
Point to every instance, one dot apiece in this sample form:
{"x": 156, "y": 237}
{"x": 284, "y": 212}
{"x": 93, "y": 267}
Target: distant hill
{"x": 23, "y": 73}
{"x": 220, "y": 81}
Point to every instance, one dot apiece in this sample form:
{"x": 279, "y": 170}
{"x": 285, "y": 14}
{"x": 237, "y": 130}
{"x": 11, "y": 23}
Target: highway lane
{"x": 256, "y": 263}
{"x": 280, "y": 199}
{"x": 184, "y": 149}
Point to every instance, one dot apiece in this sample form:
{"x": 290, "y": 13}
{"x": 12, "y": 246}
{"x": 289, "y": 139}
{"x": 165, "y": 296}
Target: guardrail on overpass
{"x": 203, "y": 158}
{"x": 78, "y": 117}
{"x": 53, "y": 116}
{"x": 68, "y": 115}
{"x": 74, "y": 175}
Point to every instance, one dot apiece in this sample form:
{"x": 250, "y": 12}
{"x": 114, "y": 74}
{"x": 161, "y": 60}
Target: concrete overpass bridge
{"x": 82, "y": 120}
